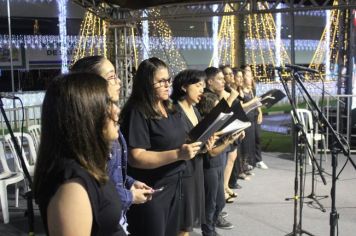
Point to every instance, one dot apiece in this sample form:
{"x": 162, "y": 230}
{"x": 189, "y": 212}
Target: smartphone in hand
{"x": 158, "y": 190}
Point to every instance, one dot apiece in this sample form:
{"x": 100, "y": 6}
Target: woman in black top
{"x": 79, "y": 121}
{"x": 188, "y": 87}
{"x": 156, "y": 141}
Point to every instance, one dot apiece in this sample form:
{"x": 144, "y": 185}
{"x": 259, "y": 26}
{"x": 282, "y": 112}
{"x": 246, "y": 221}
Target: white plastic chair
{"x": 306, "y": 119}
{"x": 29, "y": 157}
{"x": 7, "y": 177}
{"x": 35, "y": 132}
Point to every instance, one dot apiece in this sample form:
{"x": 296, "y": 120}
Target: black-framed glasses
{"x": 163, "y": 82}
{"x": 113, "y": 79}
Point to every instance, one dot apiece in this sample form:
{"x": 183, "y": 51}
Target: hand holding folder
{"x": 211, "y": 123}
{"x": 220, "y": 117}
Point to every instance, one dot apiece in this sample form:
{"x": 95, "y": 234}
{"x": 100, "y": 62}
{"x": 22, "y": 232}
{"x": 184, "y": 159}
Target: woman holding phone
{"x": 157, "y": 148}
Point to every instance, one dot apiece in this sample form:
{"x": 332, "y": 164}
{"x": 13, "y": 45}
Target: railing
{"x": 339, "y": 113}
{"x": 30, "y": 115}
{"x": 337, "y": 110}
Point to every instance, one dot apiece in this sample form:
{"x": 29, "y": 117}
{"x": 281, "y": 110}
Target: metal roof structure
{"x": 117, "y": 10}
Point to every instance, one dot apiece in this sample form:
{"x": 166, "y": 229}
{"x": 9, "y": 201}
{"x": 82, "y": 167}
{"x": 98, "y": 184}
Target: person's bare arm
{"x": 69, "y": 212}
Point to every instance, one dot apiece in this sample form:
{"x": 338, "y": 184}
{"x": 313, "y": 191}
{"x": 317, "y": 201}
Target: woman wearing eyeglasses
{"x": 156, "y": 140}
{"x": 130, "y": 190}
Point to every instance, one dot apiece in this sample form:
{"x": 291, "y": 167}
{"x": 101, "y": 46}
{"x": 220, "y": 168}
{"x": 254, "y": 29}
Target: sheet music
{"x": 236, "y": 126}
{"x": 215, "y": 126}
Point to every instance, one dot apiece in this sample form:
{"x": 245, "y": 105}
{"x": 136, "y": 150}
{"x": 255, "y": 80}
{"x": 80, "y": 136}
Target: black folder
{"x": 272, "y": 97}
{"x": 211, "y": 123}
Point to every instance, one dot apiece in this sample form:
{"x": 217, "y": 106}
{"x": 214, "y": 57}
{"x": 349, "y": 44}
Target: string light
{"x": 326, "y": 55}
{"x": 261, "y": 42}
{"x": 62, "y": 18}
{"x": 92, "y": 37}
{"x": 215, "y": 27}
{"x": 168, "y": 50}
{"x": 145, "y": 37}
{"x": 181, "y": 43}
{"x": 224, "y": 48}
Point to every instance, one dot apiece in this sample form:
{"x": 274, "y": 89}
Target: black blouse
{"x": 154, "y": 135}
{"x": 104, "y": 200}
{"x": 187, "y": 125}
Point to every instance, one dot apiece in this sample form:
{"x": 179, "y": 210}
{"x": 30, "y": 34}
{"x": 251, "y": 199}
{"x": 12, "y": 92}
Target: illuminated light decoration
{"x": 278, "y": 36}
{"x": 317, "y": 13}
{"x": 328, "y": 48}
{"x": 145, "y": 38}
{"x": 168, "y": 51}
{"x": 215, "y": 28}
{"x": 62, "y": 18}
{"x": 261, "y": 43}
{"x": 181, "y": 43}
{"x": 46, "y": 41}
{"x": 224, "y": 44}
{"x": 327, "y": 45}
{"x": 92, "y": 37}
{"x": 134, "y": 47}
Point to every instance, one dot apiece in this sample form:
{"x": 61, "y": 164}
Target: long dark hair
{"x": 74, "y": 115}
{"x": 183, "y": 79}
{"x": 142, "y": 95}
{"x": 90, "y": 64}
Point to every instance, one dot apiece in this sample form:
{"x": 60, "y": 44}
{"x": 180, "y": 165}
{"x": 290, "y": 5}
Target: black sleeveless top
{"x": 104, "y": 200}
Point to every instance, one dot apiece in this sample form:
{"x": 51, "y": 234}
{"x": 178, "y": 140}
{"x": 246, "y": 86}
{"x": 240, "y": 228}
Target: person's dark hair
{"x": 222, "y": 67}
{"x": 74, "y": 115}
{"x": 143, "y": 96}
{"x": 235, "y": 70}
{"x": 183, "y": 79}
{"x": 207, "y": 103}
{"x": 211, "y": 72}
{"x": 90, "y": 64}
{"x": 243, "y": 67}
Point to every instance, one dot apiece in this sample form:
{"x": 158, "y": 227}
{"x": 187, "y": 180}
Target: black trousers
{"x": 160, "y": 216}
{"x": 258, "y": 143}
{"x": 214, "y": 198}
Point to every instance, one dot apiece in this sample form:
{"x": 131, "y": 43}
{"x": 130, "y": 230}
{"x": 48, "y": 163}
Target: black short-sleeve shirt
{"x": 154, "y": 135}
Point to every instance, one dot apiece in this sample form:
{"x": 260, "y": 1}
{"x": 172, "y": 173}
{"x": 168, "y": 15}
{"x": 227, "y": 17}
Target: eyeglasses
{"x": 113, "y": 79}
{"x": 231, "y": 73}
{"x": 163, "y": 82}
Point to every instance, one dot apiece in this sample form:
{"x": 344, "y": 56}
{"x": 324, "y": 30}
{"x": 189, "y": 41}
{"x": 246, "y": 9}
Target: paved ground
{"x": 261, "y": 209}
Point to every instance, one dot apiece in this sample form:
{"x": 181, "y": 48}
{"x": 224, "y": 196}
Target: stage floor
{"x": 260, "y": 208}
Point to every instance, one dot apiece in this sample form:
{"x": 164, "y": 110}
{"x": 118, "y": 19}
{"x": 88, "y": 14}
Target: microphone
{"x": 8, "y": 96}
{"x": 301, "y": 68}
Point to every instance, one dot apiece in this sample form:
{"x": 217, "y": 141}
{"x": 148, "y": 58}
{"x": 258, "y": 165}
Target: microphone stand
{"x": 312, "y": 195}
{"x": 301, "y": 138}
{"x": 28, "y": 194}
{"x": 336, "y": 147}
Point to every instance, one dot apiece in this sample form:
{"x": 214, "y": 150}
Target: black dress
{"x": 160, "y": 216}
{"x": 104, "y": 200}
{"x": 193, "y": 198}
{"x": 248, "y": 144}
